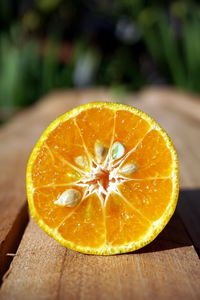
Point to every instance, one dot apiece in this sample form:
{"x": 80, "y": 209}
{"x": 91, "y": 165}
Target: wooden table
{"x": 34, "y": 266}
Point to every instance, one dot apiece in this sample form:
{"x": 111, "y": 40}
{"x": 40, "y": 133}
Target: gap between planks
{"x": 189, "y": 211}
{"x": 12, "y": 240}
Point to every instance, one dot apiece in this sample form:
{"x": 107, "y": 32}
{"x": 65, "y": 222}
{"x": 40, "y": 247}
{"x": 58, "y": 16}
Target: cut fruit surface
{"x": 103, "y": 179}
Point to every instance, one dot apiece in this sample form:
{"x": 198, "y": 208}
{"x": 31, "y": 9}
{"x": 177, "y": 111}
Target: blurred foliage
{"x": 48, "y": 44}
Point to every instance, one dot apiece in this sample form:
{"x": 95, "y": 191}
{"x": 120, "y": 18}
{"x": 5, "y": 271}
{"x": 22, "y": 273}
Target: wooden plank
{"x": 167, "y": 268}
{"x": 43, "y": 269}
{"x": 17, "y": 139}
{"x": 32, "y": 274}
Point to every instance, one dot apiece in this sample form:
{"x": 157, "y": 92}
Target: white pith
{"x": 115, "y": 178}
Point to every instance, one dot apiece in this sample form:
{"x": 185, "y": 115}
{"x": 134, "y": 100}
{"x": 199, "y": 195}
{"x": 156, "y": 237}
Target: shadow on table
{"x": 184, "y": 227}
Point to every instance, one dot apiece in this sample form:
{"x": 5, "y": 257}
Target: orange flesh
{"x": 125, "y": 216}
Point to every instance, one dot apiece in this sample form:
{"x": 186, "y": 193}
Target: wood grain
{"x": 168, "y": 268}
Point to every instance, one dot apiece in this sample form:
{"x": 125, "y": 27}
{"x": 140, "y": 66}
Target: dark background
{"x": 122, "y": 44}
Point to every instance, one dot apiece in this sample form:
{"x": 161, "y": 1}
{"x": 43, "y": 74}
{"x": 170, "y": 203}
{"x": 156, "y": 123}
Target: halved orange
{"x": 103, "y": 179}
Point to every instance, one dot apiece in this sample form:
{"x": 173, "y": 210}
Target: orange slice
{"x": 103, "y": 179}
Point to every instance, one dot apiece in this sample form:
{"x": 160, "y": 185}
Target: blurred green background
{"x": 124, "y": 44}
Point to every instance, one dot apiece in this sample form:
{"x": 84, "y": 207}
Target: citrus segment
{"x": 85, "y": 226}
{"x": 129, "y": 129}
{"x": 103, "y": 179}
{"x": 47, "y": 210}
{"x": 66, "y": 143}
{"x": 49, "y": 169}
{"x": 124, "y": 224}
{"x": 152, "y": 156}
{"x": 151, "y": 197}
{"x": 96, "y": 127}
